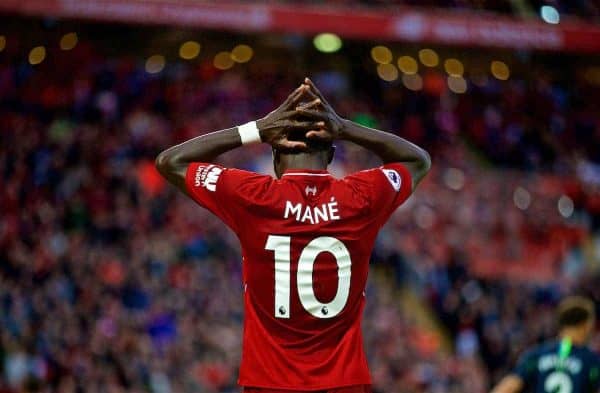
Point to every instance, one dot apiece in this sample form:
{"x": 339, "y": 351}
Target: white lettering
{"x": 321, "y": 213}
{"x": 333, "y": 210}
{"x": 307, "y": 215}
{"x": 211, "y": 178}
{"x": 292, "y": 209}
{"x": 198, "y": 177}
{"x": 312, "y": 215}
{"x": 553, "y": 361}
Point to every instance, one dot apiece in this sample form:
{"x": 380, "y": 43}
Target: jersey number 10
{"x": 281, "y": 247}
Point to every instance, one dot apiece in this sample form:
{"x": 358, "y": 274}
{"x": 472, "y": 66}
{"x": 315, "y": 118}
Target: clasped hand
{"x": 305, "y": 110}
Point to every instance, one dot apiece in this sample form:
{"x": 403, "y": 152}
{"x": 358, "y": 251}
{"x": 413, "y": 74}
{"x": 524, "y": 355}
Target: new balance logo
{"x": 207, "y": 176}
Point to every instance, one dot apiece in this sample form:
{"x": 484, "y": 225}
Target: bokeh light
{"x": 242, "y": 53}
{"x": 454, "y": 179}
{"x": 412, "y": 82}
{"x": 549, "y": 14}
{"x": 381, "y": 54}
{"x": 2, "y": 42}
{"x": 428, "y": 57}
{"x": 454, "y": 67}
{"x": 155, "y": 64}
{"x": 500, "y": 70}
{"x": 327, "y": 42}
{"x": 387, "y": 72}
{"x": 223, "y": 61}
{"x": 408, "y": 65}
{"x": 521, "y": 198}
{"x": 37, "y": 55}
{"x": 189, "y": 50}
{"x": 424, "y": 217}
{"x": 68, "y": 41}
{"x": 457, "y": 84}
{"x": 565, "y": 206}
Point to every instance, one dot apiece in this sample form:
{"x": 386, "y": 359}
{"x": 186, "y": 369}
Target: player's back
{"x": 559, "y": 367}
{"x": 306, "y": 242}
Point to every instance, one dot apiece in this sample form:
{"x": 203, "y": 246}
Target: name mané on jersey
{"x": 207, "y": 177}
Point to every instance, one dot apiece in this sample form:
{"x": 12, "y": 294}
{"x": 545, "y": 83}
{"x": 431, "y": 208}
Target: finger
{"x": 310, "y": 94}
{"x": 294, "y": 96}
{"x": 292, "y": 145}
{"x": 296, "y": 124}
{"x": 312, "y": 104}
{"x": 319, "y": 134}
{"x": 314, "y": 88}
{"x": 314, "y": 114}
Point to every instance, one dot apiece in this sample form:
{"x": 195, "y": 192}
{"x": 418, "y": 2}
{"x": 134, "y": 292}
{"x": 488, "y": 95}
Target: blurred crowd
{"x": 111, "y": 281}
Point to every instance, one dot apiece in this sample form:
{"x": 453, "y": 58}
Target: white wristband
{"x": 249, "y": 133}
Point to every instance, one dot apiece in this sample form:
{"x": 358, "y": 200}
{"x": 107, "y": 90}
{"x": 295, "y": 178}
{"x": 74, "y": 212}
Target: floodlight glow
{"x": 189, "y": 50}
{"x": 408, "y": 65}
{"x": 387, "y": 72}
{"x": 412, "y": 82}
{"x": 428, "y": 57}
{"x": 500, "y": 70}
{"x": 155, "y": 64}
{"x": 223, "y": 61}
{"x": 242, "y": 53}
{"x": 381, "y": 54}
{"x": 68, "y": 41}
{"x": 457, "y": 84}
{"x": 327, "y": 42}
{"x": 549, "y": 14}
{"x": 37, "y": 55}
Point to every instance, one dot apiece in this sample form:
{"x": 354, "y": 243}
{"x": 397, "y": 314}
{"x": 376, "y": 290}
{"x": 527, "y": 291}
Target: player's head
{"x": 576, "y": 313}
{"x": 318, "y": 155}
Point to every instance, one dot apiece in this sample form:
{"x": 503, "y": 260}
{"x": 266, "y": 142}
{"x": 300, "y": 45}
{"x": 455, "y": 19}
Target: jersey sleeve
{"x": 217, "y": 189}
{"x": 386, "y": 187}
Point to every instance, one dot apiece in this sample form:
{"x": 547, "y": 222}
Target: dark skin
{"x": 323, "y": 124}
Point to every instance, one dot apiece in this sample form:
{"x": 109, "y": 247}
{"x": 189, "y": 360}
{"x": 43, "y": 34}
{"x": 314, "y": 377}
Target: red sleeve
{"x": 386, "y": 188}
{"x": 217, "y": 189}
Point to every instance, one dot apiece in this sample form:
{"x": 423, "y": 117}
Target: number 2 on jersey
{"x": 558, "y": 382}
{"x": 280, "y": 245}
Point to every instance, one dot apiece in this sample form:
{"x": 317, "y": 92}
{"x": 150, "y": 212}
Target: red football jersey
{"x": 306, "y": 241}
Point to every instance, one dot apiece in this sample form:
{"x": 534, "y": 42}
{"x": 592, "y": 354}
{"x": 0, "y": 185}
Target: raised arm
{"x": 273, "y": 129}
{"x": 389, "y": 147}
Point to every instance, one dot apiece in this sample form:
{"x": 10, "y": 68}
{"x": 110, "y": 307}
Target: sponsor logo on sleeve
{"x": 393, "y": 177}
{"x": 207, "y": 176}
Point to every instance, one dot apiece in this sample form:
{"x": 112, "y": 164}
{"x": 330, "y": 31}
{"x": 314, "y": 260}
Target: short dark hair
{"x": 575, "y": 310}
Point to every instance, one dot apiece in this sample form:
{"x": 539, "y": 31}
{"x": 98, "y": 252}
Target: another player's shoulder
{"x": 536, "y": 351}
{"x": 591, "y": 356}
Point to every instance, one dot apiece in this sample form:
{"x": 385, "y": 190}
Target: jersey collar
{"x": 306, "y": 172}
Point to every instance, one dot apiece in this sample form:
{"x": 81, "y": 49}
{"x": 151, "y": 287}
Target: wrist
{"x": 260, "y": 124}
{"x": 345, "y": 126}
{"x": 249, "y": 133}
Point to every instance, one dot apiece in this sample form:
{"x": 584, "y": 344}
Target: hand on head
{"x": 314, "y": 120}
